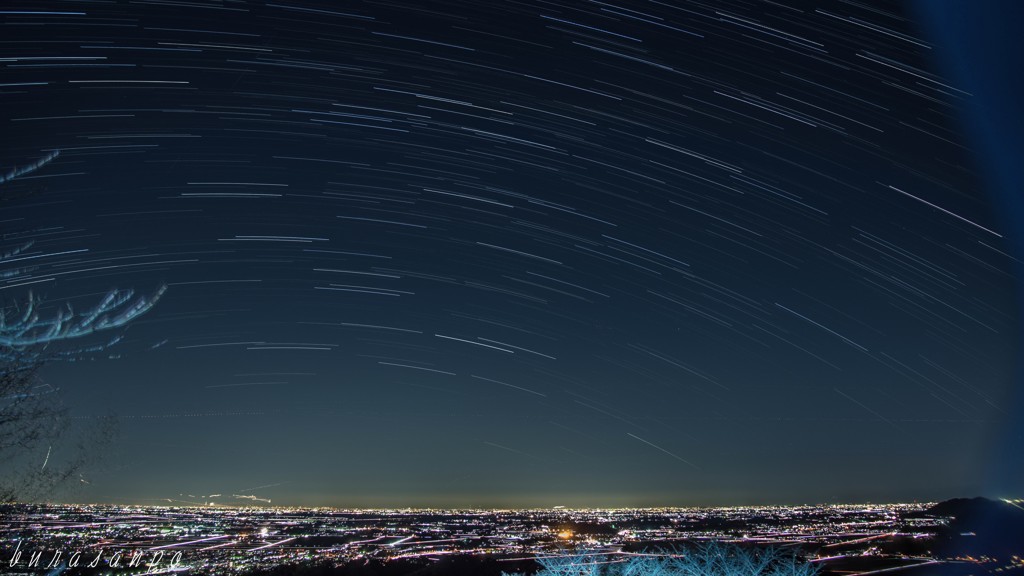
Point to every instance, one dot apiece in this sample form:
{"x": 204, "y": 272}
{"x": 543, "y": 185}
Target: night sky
{"x": 514, "y": 253}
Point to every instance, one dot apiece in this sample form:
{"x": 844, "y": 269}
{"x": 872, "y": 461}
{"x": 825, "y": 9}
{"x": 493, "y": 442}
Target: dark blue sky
{"x": 518, "y": 253}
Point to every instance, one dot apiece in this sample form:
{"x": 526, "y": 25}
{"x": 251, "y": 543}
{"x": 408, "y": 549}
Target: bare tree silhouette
{"x": 704, "y": 559}
{"x": 31, "y": 413}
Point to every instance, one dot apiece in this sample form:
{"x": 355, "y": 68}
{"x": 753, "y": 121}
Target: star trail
{"x": 511, "y": 253}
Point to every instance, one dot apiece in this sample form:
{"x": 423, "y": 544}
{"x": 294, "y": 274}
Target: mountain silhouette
{"x": 979, "y": 527}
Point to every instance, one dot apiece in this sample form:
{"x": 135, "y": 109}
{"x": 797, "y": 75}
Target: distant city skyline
{"x": 834, "y": 539}
{"x": 525, "y": 254}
